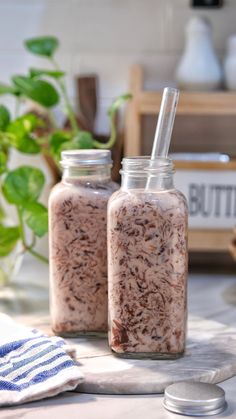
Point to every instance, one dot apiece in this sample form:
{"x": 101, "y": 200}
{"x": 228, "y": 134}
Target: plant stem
{"x": 112, "y": 138}
{"x": 69, "y": 109}
{"x": 53, "y": 120}
{"x": 37, "y": 255}
{"x": 22, "y": 236}
{"x": 21, "y": 228}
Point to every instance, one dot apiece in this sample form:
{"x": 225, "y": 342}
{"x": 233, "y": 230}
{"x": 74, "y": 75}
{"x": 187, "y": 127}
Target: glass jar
{"x": 147, "y": 262}
{"x": 78, "y": 243}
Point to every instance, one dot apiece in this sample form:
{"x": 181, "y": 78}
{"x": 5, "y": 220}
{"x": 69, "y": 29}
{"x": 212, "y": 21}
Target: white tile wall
{"x": 18, "y": 20}
{"x": 120, "y": 26}
{"x": 106, "y": 37}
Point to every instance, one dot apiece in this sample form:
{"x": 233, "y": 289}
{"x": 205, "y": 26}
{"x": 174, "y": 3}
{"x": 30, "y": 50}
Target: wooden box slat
{"x": 191, "y": 103}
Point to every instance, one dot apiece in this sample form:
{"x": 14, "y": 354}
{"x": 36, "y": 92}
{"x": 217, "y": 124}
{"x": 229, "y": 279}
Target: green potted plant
{"x": 22, "y": 187}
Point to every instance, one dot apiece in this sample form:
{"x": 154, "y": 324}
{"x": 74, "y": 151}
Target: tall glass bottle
{"x": 147, "y": 262}
{"x": 78, "y": 242}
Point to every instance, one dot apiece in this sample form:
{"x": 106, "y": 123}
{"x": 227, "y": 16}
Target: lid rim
{"x": 195, "y": 407}
{"x": 191, "y": 412}
{"x": 85, "y": 157}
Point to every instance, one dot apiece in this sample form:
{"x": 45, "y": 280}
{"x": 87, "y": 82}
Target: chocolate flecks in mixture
{"x": 119, "y": 332}
{"x": 78, "y": 256}
{"x": 147, "y": 236}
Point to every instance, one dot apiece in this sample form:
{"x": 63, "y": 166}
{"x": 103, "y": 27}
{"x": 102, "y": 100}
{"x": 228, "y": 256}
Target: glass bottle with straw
{"x": 147, "y": 252}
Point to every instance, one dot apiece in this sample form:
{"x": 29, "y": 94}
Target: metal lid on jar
{"x": 194, "y": 399}
{"x": 74, "y": 158}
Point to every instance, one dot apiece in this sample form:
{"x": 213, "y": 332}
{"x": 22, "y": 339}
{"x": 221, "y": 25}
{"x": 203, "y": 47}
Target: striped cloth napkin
{"x": 32, "y": 365}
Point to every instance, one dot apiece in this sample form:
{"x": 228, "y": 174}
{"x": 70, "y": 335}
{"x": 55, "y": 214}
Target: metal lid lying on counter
{"x": 194, "y": 399}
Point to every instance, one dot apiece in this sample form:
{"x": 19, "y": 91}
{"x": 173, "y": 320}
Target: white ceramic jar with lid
{"x": 199, "y": 68}
{"x": 230, "y": 64}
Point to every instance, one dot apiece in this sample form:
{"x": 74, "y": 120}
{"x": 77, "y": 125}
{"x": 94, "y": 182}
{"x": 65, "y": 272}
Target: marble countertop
{"x": 212, "y": 296}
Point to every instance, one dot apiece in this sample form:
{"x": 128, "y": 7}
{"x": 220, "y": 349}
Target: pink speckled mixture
{"x": 78, "y": 256}
{"x": 147, "y": 271}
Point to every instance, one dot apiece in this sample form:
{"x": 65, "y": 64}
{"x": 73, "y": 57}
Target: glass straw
{"x": 165, "y": 124}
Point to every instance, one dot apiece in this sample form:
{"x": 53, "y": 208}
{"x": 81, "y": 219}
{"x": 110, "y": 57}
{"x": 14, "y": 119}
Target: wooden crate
{"x": 208, "y": 239}
{"x": 190, "y": 103}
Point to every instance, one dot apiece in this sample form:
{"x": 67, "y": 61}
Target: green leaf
{"x": 44, "y": 45}
{"x": 6, "y": 89}
{"x": 118, "y": 103}
{"x": 21, "y": 129}
{"x": 34, "y": 72}
{"x": 3, "y": 162}
{"x": 35, "y": 216}
{"x": 23, "y": 184}
{"x": 40, "y": 91}
{"x": 4, "y": 117}
{"x": 56, "y": 140}
{"x": 8, "y": 239}
{"x": 83, "y": 139}
{"x": 24, "y": 124}
{"x": 26, "y": 144}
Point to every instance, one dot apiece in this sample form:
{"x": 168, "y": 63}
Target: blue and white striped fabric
{"x": 32, "y": 365}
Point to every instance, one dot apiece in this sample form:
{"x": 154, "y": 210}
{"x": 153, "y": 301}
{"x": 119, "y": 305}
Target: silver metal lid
{"x": 194, "y": 399}
{"x": 85, "y": 157}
